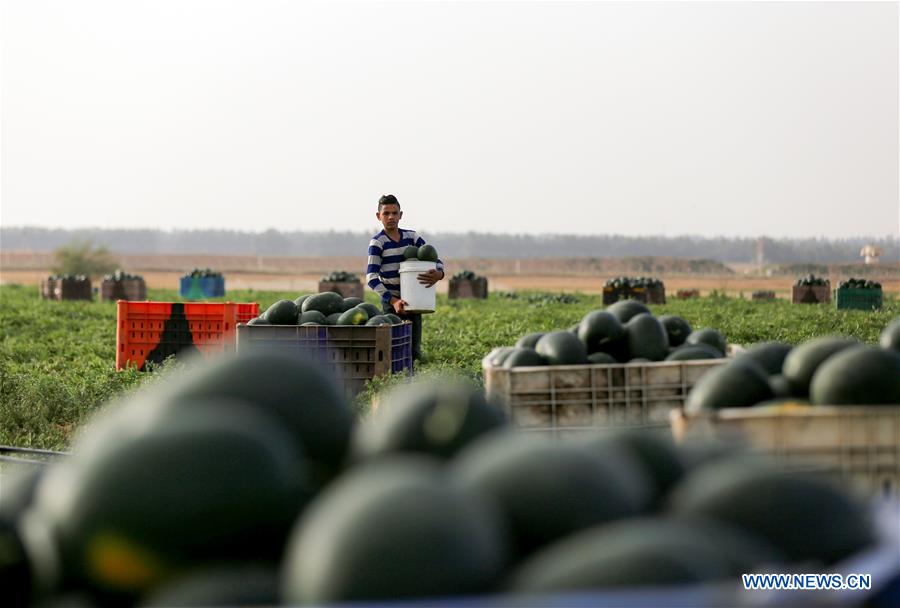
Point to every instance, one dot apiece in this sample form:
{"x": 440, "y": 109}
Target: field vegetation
{"x": 57, "y": 359}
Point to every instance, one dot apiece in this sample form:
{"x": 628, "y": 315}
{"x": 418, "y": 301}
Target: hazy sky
{"x": 633, "y": 118}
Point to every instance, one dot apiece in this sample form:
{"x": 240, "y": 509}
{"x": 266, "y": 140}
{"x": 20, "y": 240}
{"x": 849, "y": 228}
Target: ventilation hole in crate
{"x": 381, "y": 355}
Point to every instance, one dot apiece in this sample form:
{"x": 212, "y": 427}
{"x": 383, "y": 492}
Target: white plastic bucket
{"x": 418, "y": 297}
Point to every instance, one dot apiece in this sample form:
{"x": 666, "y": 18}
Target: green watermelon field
{"x": 57, "y": 359}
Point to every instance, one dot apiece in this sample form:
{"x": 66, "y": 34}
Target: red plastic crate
{"x": 245, "y": 312}
{"x": 153, "y": 331}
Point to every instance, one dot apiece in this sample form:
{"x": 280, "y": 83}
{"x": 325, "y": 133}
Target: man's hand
{"x": 399, "y": 305}
{"x": 428, "y": 279}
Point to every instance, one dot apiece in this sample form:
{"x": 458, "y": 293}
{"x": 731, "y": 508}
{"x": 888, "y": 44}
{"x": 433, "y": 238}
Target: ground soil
{"x": 586, "y": 275}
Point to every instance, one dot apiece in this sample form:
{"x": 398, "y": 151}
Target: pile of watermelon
{"x": 340, "y": 276}
{"x": 68, "y": 277}
{"x": 628, "y": 283}
{"x": 202, "y": 273}
{"x": 465, "y": 275}
{"x": 852, "y": 283}
{"x": 425, "y": 253}
{"x": 624, "y": 332}
{"x": 326, "y": 308}
{"x": 251, "y": 482}
{"x": 120, "y": 275}
{"x": 829, "y": 370}
{"x": 812, "y": 280}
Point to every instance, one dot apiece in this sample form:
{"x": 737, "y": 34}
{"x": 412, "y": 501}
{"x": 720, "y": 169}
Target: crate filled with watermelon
{"x": 148, "y": 333}
{"x": 465, "y": 284}
{"x": 811, "y": 290}
{"x": 618, "y": 367}
{"x": 346, "y": 284}
{"x": 642, "y": 289}
{"x": 67, "y": 287}
{"x": 830, "y": 405}
{"x": 202, "y": 283}
{"x": 762, "y": 296}
{"x": 121, "y": 285}
{"x": 859, "y": 294}
{"x": 353, "y": 339}
{"x": 687, "y": 294}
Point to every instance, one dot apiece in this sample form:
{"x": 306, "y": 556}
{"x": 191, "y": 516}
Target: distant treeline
{"x": 457, "y": 245}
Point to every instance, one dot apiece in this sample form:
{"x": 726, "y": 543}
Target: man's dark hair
{"x": 387, "y": 199}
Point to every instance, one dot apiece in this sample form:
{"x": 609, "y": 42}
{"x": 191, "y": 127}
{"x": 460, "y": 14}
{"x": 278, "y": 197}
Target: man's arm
{"x": 373, "y": 269}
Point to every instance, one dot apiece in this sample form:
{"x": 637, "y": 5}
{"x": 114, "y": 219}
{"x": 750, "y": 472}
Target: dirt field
{"x": 586, "y": 275}
{"x": 732, "y": 285}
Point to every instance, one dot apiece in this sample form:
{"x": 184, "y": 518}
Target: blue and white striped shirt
{"x": 385, "y": 255}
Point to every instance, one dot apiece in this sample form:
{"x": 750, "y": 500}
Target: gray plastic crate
{"x": 858, "y": 444}
{"x": 580, "y": 397}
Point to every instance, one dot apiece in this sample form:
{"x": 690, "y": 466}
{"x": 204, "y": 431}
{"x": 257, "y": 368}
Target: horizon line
{"x": 453, "y": 232}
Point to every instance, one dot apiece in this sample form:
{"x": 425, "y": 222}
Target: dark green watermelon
{"x": 392, "y": 529}
{"x": 370, "y": 309}
{"x": 302, "y": 398}
{"x": 208, "y": 480}
{"x": 781, "y": 386}
{"x": 597, "y": 328}
{"x": 807, "y": 518}
{"x": 859, "y": 375}
{"x": 326, "y": 303}
{"x": 546, "y": 489}
{"x": 217, "y": 585}
{"x": 427, "y": 253}
{"x": 601, "y": 358}
{"x": 647, "y": 338}
{"x": 436, "y": 418}
{"x": 497, "y": 356}
{"x": 624, "y": 310}
{"x": 312, "y": 316}
{"x": 770, "y": 355}
{"x": 530, "y": 340}
{"x": 735, "y": 384}
{"x": 561, "y": 348}
{"x": 677, "y": 329}
{"x": 708, "y": 336}
{"x": 643, "y": 553}
{"x": 690, "y": 352}
{"x": 350, "y": 303}
{"x": 523, "y": 357}
{"x": 801, "y": 363}
{"x": 282, "y": 312}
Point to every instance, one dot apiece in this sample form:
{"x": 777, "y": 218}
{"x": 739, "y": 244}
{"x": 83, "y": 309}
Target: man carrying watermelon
{"x": 386, "y": 251}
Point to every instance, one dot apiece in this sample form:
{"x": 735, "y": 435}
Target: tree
{"x": 82, "y": 257}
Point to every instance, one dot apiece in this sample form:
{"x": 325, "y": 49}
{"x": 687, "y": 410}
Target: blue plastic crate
{"x": 198, "y": 288}
{"x": 401, "y": 348}
{"x": 212, "y": 287}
